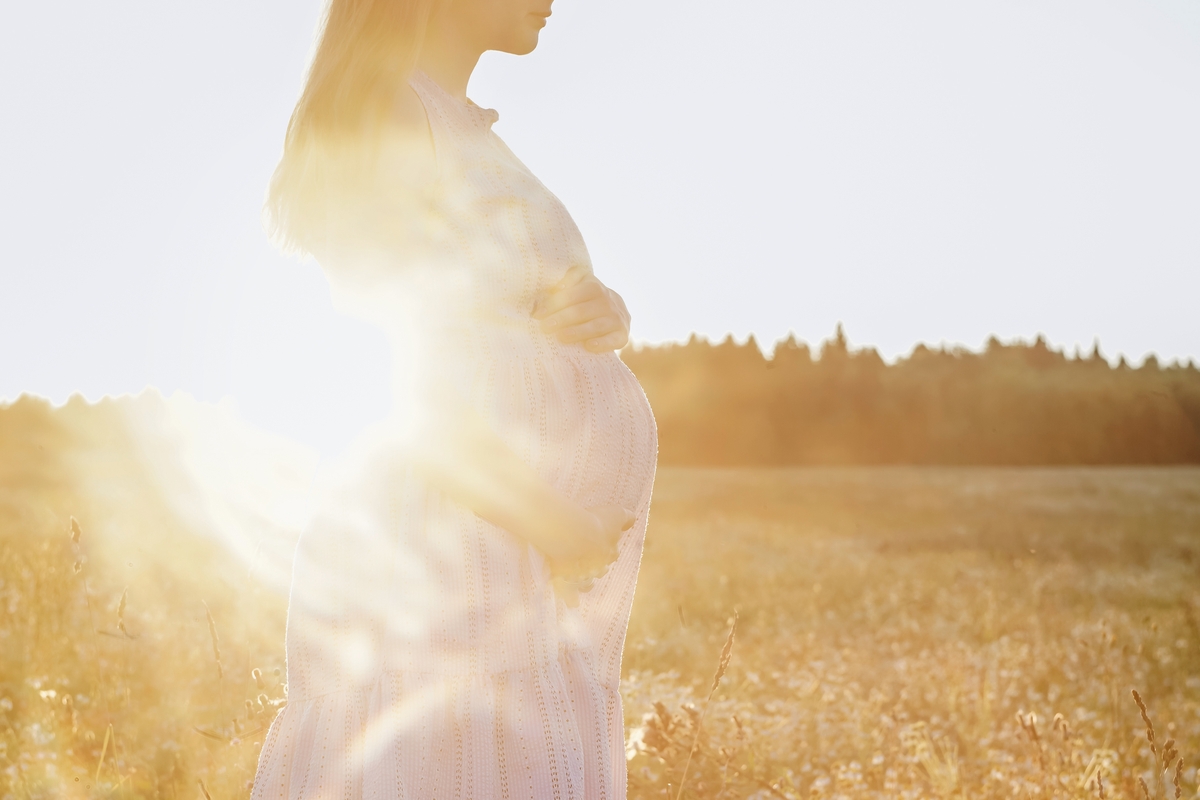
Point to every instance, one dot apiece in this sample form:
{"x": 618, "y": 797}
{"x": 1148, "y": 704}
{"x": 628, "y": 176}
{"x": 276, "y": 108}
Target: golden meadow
{"x": 902, "y": 632}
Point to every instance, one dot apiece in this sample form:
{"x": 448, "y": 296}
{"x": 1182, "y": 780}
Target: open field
{"x": 893, "y": 625}
{"x": 895, "y": 621}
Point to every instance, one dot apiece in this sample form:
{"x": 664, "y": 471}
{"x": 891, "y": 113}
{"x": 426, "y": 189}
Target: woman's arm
{"x": 458, "y": 453}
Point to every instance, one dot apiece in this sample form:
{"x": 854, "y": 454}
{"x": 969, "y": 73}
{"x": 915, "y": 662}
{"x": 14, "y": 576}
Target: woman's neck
{"x": 448, "y": 56}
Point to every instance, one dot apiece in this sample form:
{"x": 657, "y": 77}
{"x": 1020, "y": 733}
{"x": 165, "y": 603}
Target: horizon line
{"x": 943, "y": 346}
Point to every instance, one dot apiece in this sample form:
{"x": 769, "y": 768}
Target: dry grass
{"x": 903, "y": 633}
{"x": 919, "y": 633}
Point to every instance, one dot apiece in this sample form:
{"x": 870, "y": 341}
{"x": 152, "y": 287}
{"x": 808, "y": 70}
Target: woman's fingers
{"x": 608, "y": 342}
{"x": 576, "y": 283}
{"x": 580, "y": 309}
{"x": 591, "y": 330}
{"x": 575, "y": 274}
{"x": 581, "y": 291}
{"x": 614, "y": 520}
{"x": 583, "y": 311}
{"x": 587, "y": 331}
{"x": 581, "y": 573}
{"x": 595, "y": 549}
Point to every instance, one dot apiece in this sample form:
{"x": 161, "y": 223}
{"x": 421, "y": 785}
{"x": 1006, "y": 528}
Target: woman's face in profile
{"x": 510, "y": 26}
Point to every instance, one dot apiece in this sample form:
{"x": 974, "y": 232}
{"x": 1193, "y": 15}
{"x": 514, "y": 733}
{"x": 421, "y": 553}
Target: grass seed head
{"x": 1060, "y": 724}
{"x": 726, "y": 655}
{"x": 1169, "y": 753}
{"x": 1137, "y": 698}
{"x": 1028, "y": 723}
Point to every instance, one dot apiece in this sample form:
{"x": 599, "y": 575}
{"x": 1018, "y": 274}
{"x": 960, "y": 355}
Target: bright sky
{"x": 921, "y": 170}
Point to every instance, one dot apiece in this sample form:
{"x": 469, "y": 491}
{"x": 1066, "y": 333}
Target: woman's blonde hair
{"x": 365, "y": 52}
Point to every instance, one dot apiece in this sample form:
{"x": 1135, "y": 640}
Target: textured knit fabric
{"x": 428, "y": 655}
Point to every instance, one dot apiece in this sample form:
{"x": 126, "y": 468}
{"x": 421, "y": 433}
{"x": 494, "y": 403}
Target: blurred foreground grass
{"x": 912, "y": 633}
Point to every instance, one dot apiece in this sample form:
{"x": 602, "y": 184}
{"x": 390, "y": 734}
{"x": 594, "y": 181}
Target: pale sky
{"x": 922, "y": 171}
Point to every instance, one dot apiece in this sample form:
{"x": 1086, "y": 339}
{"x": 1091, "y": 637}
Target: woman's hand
{"x": 458, "y": 453}
{"x": 579, "y": 308}
{"x": 591, "y": 552}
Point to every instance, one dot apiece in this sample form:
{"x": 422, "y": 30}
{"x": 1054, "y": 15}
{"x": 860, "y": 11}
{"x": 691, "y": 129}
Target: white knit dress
{"x": 427, "y": 653}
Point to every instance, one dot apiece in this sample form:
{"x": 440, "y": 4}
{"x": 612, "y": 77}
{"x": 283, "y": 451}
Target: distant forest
{"x": 1022, "y": 404}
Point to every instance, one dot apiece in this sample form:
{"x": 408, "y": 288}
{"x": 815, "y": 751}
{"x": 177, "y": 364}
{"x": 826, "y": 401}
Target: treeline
{"x": 1022, "y": 404}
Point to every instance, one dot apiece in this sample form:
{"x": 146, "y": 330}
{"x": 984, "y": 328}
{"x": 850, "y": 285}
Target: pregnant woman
{"x": 459, "y": 603}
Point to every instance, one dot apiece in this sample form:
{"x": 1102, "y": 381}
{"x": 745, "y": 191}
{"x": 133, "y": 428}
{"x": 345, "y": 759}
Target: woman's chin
{"x": 523, "y": 43}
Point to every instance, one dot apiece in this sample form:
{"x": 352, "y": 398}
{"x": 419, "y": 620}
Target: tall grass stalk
{"x": 722, "y": 666}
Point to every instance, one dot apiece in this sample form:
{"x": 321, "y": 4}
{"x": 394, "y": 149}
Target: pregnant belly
{"x": 579, "y": 418}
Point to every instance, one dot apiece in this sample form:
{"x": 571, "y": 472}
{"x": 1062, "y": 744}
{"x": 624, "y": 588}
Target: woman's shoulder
{"x": 406, "y": 131}
{"x": 408, "y": 112}
{"x": 378, "y": 218}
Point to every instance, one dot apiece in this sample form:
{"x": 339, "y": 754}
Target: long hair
{"x": 365, "y": 51}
